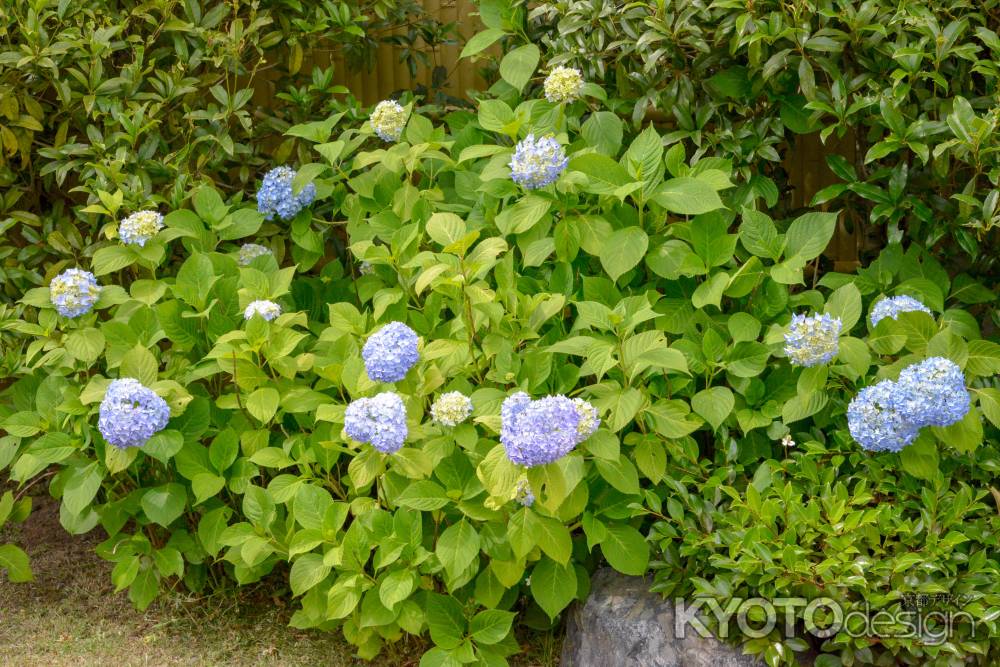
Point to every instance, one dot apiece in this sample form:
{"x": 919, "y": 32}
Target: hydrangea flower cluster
{"x": 935, "y": 392}
{"x": 131, "y": 414}
{"x": 380, "y": 421}
{"x": 139, "y": 227}
{"x": 276, "y": 196}
{"x": 889, "y": 415}
{"x": 390, "y": 352}
{"x": 893, "y": 306}
{"x": 74, "y": 292}
{"x": 451, "y": 409}
{"x": 539, "y": 432}
{"x": 563, "y": 84}
{"x": 812, "y": 340}
{"x": 251, "y": 251}
{"x": 266, "y": 309}
{"x": 388, "y": 120}
{"x": 537, "y": 162}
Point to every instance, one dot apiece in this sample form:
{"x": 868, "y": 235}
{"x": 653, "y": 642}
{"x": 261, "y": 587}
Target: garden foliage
{"x": 908, "y": 88}
{"x": 443, "y": 368}
{"x": 149, "y": 98}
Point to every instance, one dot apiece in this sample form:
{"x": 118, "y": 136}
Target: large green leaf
{"x": 623, "y": 251}
{"x": 517, "y": 66}
{"x": 553, "y": 585}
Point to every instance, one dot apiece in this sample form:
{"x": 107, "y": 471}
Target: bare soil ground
{"x": 70, "y": 615}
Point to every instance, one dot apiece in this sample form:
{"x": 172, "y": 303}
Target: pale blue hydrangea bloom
{"x": 537, "y": 162}
{"x": 131, "y": 414}
{"x": 276, "y": 197}
{"x": 251, "y": 251}
{"x": 523, "y": 493}
{"x": 266, "y": 309}
{"x": 878, "y": 418}
{"x": 563, "y": 84}
{"x": 893, "y": 306}
{"x": 812, "y": 340}
{"x": 935, "y": 392}
{"x": 74, "y": 292}
{"x": 388, "y": 120}
{"x": 452, "y": 408}
{"x": 139, "y": 227}
{"x": 380, "y": 420}
{"x": 390, "y": 352}
{"x": 539, "y": 432}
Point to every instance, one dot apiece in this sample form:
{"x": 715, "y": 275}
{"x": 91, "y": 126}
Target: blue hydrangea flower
{"x": 251, "y": 251}
{"x": 537, "y": 162}
{"x": 266, "y": 309}
{"x": 390, "y": 352}
{"x": 539, "y": 432}
{"x": 139, "y": 227}
{"x": 891, "y": 307}
{"x": 74, "y": 292}
{"x": 380, "y": 420}
{"x": 388, "y": 120}
{"x": 451, "y": 409}
{"x": 812, "y": 340}
{"x": 523, "y": 493}
{"x": 878, "y": 418}
{"x": 935, "y": 392}
{"x": 275, "y": 196}
{"x": 131, "y": 414}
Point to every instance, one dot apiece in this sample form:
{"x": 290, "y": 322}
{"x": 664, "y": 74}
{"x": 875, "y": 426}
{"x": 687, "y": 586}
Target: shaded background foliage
{"x": 904, "y": 95}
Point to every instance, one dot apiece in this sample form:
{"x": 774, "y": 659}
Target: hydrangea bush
{"x": 573, "y": 340}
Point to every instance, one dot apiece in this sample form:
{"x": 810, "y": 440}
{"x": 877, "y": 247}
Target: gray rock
{"x": 622, "y": 624}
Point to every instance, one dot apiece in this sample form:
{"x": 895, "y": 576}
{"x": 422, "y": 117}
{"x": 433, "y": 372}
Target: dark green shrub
{"x": 913, "y": 86}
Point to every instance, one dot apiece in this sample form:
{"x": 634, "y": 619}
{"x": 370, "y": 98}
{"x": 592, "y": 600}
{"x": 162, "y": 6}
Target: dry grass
{"x": 70, "y": 615}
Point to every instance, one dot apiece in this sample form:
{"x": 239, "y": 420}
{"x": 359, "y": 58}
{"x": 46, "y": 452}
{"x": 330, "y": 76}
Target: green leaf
{"x": 495, "y": 115}
{"x": 604, "y": 130}
{"x": 809, "y": 234}
{"x": 517, "y": 66}
{"x": 620, "y": 474}
{"x": 759, "y": 235}
{"x": 984, "y": 358}
{"x": 139, "y": 363}
{"x": 86, "y": 345}
{"x": 553, "y": 538}
{"x": 144, "y": 589}
{"x": 194, "y": 281}
{"x": 111, "y": 259}
{"x": 163, "y": 504}
{"x": 423, "y": 495}
{"x": 714, "y": 404}
{"x": 308, "y": 570}
{"x": 491, "y": 626}
{"x": 643, "y": 160}
{"x": 605, "y": 175}
{"x": 457, "y": 547}
{"x": 445, "y": 228}
{"x": 481, "y": 41}
{"x": 989, "y": 403}
{"x": 623, "y": 251}
{"x": 15, "y": 562}
{"x": 845, "y": 303}
{"x": 523, "y": 215}
{"x": 553, "y": 585}
{"x": 396, "y": 587}
{"x": 446, "y": 620}
{"x": 81, "y": 487}
{"x": 263, "y": 403}
{"x": 920, "y": 459}
{"x": 688, "y": 196}
{"x": 625, "y": 549}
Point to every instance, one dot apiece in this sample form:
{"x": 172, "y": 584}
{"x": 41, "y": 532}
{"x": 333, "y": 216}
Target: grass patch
{"x": 70, "y": 615}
